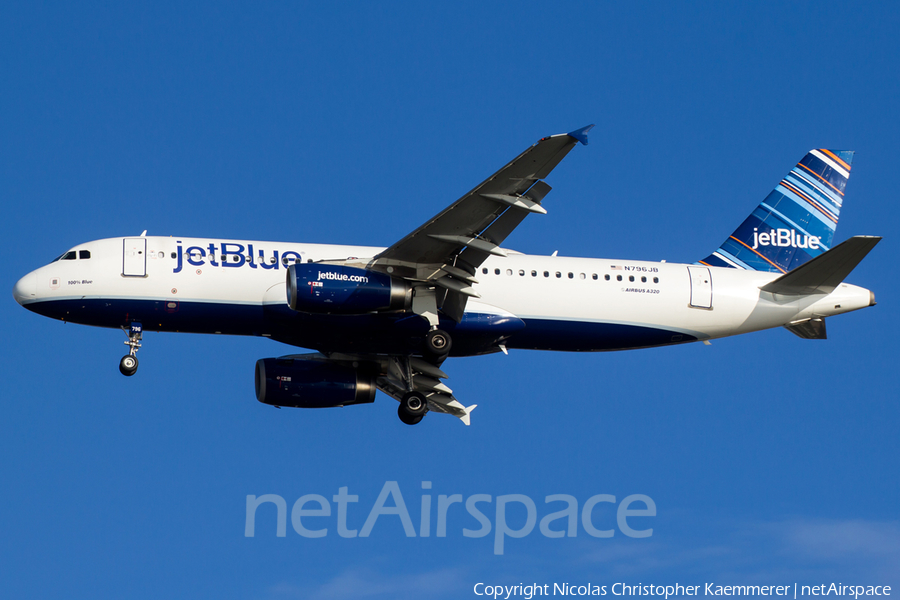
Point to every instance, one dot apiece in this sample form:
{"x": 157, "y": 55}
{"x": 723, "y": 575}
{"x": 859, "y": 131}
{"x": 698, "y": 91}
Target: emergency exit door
{"x": 701, "y": 287}
{"x": 134, "y": 259}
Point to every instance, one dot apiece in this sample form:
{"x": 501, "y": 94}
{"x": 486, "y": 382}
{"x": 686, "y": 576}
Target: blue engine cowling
{"x": 336, "y": 289}
{"x": 312, "y": 382}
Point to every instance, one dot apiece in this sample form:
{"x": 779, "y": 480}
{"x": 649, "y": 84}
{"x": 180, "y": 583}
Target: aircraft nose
{"x": 25, "y": 289}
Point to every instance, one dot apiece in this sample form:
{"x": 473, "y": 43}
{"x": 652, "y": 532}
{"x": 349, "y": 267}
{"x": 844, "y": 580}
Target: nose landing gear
{"x": 129, "y": 364}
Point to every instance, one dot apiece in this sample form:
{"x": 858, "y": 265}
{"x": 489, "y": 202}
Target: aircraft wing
{"x": 410, "y": 373}
{"x": 402, "y": 373}
{"x": 449, "y": 247}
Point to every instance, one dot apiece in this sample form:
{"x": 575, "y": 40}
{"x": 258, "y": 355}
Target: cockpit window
{"x": 83, "y": 254}
{"x": 72, "y": 255}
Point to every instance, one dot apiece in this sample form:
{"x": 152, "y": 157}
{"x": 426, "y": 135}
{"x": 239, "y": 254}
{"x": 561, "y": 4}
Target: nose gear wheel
{"x": 129, "y": 364}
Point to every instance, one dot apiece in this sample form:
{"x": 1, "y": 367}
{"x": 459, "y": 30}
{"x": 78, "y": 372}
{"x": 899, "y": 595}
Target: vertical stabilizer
{"x": 796, "y": 221}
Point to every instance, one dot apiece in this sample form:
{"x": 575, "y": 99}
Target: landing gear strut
{"x": 437, "y": 341}
{"x": 412, "y": 408}
{"x": 129, "y": 364}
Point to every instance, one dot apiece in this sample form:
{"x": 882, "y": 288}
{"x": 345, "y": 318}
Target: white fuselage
{"x": 549, "y": 293}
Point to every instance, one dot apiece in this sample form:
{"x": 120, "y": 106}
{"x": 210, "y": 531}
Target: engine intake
{"x": 312, "y": 382}
{"x": 321, "y": 288}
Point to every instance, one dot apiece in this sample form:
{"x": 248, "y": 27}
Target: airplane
{"x": 387, "y": 318}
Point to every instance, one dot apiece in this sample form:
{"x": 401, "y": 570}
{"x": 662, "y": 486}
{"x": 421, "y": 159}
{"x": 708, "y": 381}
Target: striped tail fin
{"x": 796, "y": 222}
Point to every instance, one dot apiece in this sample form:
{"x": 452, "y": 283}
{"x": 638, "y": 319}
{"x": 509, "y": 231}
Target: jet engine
{"x": 336, "y": 289}
{"x": 313, "y": 382}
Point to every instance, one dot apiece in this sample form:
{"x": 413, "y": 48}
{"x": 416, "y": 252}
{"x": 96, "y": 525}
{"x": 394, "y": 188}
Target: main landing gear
{"x": 438, "y": 343}
{"x": 413, "y": 407}
{"x": 129, "y": 364}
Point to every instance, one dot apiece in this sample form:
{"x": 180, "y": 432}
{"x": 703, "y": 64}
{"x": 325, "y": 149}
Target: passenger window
{"x": 272, "y": 260}
{"x": 509, "y": 271}
{"x": 83, "y": 254}
{"x": 546, "y": 273}
{"x": 521, "y": 273}
{"x": 643, "y": 280}
{"x": 484, "y": 270}
{"x": 162, "y": 254}
{"x": 558, "y": 275}
{"x": 594, "y": 276}
{"x": 284, "y": 260}
{"x": 174, "y": 255}
{"x": 631, "y": 278}
{"x": 656, "y": 280}
{"x": 582, "y": 276}
{"x": 618, "y": 278}
{"x": 571, "y": 275}
{"x": 496, "y": 271}
{"x": 534, "y": 273}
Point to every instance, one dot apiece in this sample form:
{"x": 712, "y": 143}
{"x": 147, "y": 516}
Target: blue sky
{"x": 770, "y": 459}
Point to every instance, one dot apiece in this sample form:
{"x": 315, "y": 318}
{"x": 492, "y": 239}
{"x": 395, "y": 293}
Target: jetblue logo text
{"x": 342, "y": 277}
{"x": 507, "y": 516}
{"x": 786, "y": 238}
{"x": 230, "y": 254}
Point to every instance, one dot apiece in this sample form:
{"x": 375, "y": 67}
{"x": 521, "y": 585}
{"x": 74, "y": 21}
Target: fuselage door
{"x": 701, "y": 287}
{"x": 134, "y": 259}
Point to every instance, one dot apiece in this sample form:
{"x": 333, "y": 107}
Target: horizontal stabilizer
{"x": 825, "y": 272}
{"x": 810, "y": 329}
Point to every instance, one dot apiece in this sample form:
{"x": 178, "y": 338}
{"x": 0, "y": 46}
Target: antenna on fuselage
{"x": 144, "y": 234}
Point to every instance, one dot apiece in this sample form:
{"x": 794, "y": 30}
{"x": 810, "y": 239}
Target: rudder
{"x": 796, "y": 221}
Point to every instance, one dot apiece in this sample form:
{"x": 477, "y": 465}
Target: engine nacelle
{"x": 321, "y": 288}
{"x": 312, "y": 382}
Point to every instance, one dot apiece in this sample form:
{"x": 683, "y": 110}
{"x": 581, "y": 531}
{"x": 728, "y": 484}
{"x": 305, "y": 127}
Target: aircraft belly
{"x": 157, "y": 315}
